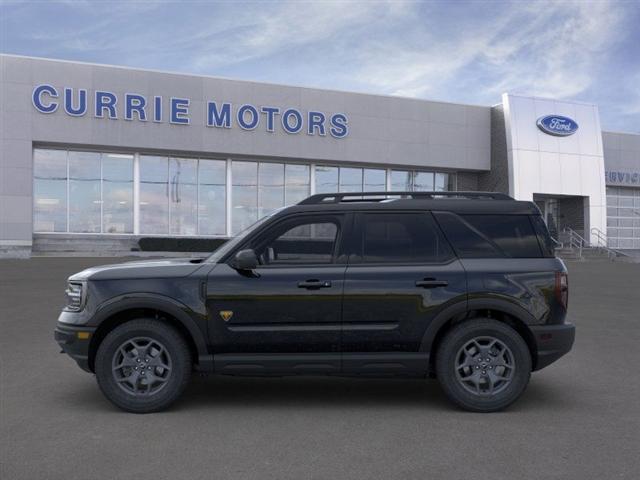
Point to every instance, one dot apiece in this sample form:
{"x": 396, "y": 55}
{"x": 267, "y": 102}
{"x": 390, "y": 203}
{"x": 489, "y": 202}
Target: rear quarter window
{"x": 490, "y": 236}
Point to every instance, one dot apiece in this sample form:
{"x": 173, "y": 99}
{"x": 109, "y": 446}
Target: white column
{"x": 312, "y": 179}
{"x": 136, "y": 194}
{"x": 228, "y": 197}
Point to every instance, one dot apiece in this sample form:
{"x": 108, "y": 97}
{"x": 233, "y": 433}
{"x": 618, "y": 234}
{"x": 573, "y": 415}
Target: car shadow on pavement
{"x": 315, "y": 392}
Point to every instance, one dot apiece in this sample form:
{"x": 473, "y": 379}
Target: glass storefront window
{"x": 212, "y": 197}
{"x": 350, "y": 179}
{"x": 117, "y": 193}
{"x": 423, "y": 182}
{"x": 244, "y": 195}
{"x": 375, "y": 180}
{"x": 270, "y": 188}
{"x": 183, "y": 196}
{"x": 442, "y": 182}
{"x": 401, "y": 181}
{"x": 154, "y": 195}
{"x": 326, "y": 179}
{"x": 296, "y": 183}
{"x": 85, "y": 198}
{"x": 49, "y": 190}
{"x": 93, "y": 192}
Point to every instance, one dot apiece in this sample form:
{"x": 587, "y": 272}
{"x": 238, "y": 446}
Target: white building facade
{"x": 94, "y": 155}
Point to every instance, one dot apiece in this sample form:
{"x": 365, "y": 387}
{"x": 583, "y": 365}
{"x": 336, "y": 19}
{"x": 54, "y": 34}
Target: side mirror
{"x": 245, "y": 260}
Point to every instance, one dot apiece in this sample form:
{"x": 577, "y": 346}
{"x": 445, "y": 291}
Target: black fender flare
{"x": 486, "y": 303}
{"x": 154, "y": 301}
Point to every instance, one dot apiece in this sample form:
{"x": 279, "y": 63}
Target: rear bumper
{"x": 74, "y": 345}
{"x": 552, "y": 342}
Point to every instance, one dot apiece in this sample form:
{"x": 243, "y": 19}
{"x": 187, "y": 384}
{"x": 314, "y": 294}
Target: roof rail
{"x": 321, "y": 198}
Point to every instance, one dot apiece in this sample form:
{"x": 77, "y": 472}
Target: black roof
{"x": 457, "y": 202}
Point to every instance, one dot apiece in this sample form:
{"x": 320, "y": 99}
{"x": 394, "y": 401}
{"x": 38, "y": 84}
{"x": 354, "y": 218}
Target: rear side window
{"x": 401, "y": 238}
{"x": 547, "y": 243}
{"x": 489, "y": 236}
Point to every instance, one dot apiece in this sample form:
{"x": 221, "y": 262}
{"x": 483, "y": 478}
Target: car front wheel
{"x": 483, "y": 365}
{"x": 143, "y": 365}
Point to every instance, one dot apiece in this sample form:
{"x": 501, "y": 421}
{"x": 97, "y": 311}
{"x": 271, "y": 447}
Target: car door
{"x": 291, "y": 303}
{"x": 401, "y": 273}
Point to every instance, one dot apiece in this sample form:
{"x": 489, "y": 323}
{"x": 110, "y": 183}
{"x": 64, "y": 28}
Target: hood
{"x": 164, "y": 268}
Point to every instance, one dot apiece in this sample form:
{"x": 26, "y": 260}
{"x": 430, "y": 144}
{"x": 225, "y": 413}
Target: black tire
{"x": 451, "y": 356}
{"x": 171, "y": 372}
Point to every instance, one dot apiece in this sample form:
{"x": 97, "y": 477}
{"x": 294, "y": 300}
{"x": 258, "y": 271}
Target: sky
{"x": 456, "y": 51}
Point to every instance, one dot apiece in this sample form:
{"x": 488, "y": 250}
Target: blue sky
{"x": 467, "y": 52}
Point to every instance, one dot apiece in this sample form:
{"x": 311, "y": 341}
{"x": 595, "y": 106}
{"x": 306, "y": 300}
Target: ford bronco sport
{"x": 461, "y": 286}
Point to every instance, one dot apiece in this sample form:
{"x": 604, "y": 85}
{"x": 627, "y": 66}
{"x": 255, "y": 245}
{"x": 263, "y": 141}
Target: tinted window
{"x": 487, "y": 236}
{"x": 547, "y": 243}
{"x": 402, "y": 238}
{"x": 302, "y": 241}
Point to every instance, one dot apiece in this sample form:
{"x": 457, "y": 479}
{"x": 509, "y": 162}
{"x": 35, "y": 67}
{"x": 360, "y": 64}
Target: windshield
{"x": 229, "y": 245}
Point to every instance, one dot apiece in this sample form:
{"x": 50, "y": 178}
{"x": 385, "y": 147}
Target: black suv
{"x": 463, "y": 286}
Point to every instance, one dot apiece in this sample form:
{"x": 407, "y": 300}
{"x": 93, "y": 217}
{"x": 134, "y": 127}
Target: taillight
{"x": 562, "y": 288}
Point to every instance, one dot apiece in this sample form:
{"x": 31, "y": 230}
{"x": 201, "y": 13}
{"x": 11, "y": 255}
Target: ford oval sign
{"x": 557, "y": 125}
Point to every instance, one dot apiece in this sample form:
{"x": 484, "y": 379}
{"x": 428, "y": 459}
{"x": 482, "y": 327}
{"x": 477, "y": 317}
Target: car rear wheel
{"x": 143, "y": 365}
{"x": 483, "y": 365}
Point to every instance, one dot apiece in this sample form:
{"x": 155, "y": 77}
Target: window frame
{"x": 266, "y": 234}
{"x": 355, "y": 254}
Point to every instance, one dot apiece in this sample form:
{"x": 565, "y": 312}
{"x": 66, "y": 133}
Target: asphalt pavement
{"x": 579, "y": 418}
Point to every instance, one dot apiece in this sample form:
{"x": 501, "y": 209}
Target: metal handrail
{"x": 602, "y": 243}
{"x": 578, "y": 242}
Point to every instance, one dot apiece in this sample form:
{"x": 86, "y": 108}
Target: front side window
{"x": 307, "y": 241}
{"x": 401, "y": 238}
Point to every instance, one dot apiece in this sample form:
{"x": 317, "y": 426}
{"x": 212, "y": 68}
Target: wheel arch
{"x": 121, "y": 310}
{"x": 499, "y": 309}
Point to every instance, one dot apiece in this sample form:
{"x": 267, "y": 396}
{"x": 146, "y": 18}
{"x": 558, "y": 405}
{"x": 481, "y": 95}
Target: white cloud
{"x": 260, "y": 32}
{"x": 545, "y": 49}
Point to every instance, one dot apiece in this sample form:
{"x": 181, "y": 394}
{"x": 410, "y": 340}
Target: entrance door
{"x": 549, "y": 209}
{"x": 562, "y": 212}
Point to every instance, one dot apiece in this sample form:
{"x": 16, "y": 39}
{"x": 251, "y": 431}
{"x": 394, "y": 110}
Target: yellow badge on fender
{"x": 226, "y": 315}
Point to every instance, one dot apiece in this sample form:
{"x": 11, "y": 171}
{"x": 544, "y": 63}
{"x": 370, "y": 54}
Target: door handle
{"x": 431, "y": 283}
{"x": 314, "y": 284}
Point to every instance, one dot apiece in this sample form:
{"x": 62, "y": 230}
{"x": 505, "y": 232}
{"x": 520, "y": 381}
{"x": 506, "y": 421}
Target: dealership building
{"x": 93, "y": 157}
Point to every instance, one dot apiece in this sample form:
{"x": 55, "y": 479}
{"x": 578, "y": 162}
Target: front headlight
{"x": 75, "y": 296}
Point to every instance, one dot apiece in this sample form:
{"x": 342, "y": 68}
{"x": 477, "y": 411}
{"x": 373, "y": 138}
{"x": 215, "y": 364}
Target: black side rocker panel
{"x": 382, "y": 364}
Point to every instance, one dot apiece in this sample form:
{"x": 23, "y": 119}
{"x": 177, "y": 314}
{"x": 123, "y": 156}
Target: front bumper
{"x": 552, "y": 342}
{"x": 75, "y": 341}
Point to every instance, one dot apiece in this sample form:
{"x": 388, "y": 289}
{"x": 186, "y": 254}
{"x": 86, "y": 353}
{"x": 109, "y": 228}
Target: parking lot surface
{"x": 579, "y": 418}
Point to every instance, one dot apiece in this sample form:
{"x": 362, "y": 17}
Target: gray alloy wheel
{"x": 483, "y": 365}
{"x": 143, "y": 365}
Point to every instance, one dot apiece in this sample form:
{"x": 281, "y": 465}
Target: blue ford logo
{"x": 557, "y": 125}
